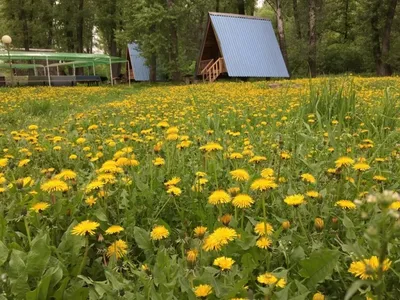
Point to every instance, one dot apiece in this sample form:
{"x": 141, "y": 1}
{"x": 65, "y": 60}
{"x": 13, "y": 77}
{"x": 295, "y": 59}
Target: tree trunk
{"x": 386, "y": 67}
{"x": 312, "y": 38}
{"x": 80, "y": 27}
{"x": 241, "y": 7}
{"x": 217, "y": 3}
{"x": 346, "y": 20}
{"x": 281, "y": 31}
{"x": 113, "y": 47}
{"x": 69, "y": 34}
{"x": 174, "y": 49}
{"x": 50, "y": 25}
{"x": 23, "y": 17}
{"x": 375, "y": 36}
{"x": 297, "y": 19}
{"x": 252, "y": 7}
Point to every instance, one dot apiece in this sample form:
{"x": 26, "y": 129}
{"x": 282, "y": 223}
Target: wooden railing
{"x": 212, "y": 72}
{"x": 205, "y": 64}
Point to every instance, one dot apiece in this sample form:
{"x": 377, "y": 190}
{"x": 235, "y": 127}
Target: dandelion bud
{"x": 100, "y": 238}
{"x": 19, "y": 183}
{"x": 319, "y": 224}
{"x": 191, "y": 255}
{"x": 225, "y": 219}
{"x": 285, "y": 225}
{"x": 371, "y": 231}
{"x": 145, "y": 268}
{"x": 335, "y": 223}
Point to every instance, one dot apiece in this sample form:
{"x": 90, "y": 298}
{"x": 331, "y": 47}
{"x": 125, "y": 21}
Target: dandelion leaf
{"x": 319, "y": 266}
{"x": 38, "y": 257}
{"x": 3, "y": 253}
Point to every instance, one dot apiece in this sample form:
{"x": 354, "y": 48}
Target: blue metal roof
{"x": 140, "y": 70}
{"x": 249, "y": 46}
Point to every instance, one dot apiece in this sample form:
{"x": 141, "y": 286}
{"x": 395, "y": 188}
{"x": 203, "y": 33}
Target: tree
{"x": 276, "y": 5}
{"x": 312, "y": 38}
{"x": 296, "y": 17}
{"x": 381, "y": 36}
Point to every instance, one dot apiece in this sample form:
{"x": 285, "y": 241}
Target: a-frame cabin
{"x": 239, "y": 46}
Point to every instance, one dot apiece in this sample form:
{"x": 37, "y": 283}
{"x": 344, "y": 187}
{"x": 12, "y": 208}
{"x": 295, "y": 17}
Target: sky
{"x": 259, "y": 3}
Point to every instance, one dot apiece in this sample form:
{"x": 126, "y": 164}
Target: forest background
{"x": 316, "y": 37}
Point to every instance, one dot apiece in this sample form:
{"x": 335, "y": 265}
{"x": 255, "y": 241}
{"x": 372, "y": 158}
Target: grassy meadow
{"x": 265, "y": 190}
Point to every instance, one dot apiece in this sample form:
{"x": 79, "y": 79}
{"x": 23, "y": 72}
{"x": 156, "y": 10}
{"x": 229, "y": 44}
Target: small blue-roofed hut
{"x": 137, "y": 64}
{"x": 239, "y": 46}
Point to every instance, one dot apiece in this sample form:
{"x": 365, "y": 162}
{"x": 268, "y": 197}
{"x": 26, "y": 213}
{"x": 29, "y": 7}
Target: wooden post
{"x": 129, "y": 73}
{"x": 48, "y": 70}
{"x": 111, "y": 74}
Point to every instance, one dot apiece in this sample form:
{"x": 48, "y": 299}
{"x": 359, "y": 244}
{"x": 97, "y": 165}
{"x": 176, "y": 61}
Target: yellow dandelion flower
{"x": 33, "y": 127}
{"x": 191, "y": 255}
{"x": 117, "y": 249}
{"x": 308, "y": 178}
{"x": 159, "y": 232}
{"x": 257, "y": 159}
{"x": 281, "y": 283}
{"x": 159, "y": 161}
{"x": 267, "y": 173}
{"x": 263, "y": 184}
{"x": 346, "y": 204}
{"x": 54, "y": 185}
{"x": 219, "y": 197}
{"x": 294, "y": 200}
{"x": 369, "y": 268}
{"x": 395, "y": 205}
{"x": 201, "y": 174}
{"x": 173, "y": 190}
{"x": 107, "y": 178}
{"x": 360, "y": 166}
{"x": 114, "y": 229}
{"x": 200, "y": 231}
{"x": 85, "y": 228}
{"x": 173, "y": 181}
{"x": 285, "y": 155}
{"x": 235, "y": 155}
{"x": 263, "y": 227}
{"x": 73, "y": 157}
{"x": 313, "y": 194}
{"x": 202, "y": 290}
{"x": 211, "y": 147}
{"x": 94, "y": 185}
{"x": 224, "y": 263}
{"x": 344, "y": 161}
{"x": 242, "y": 201}
{"x": 267, "y": 278}
{"x": 91, "y": 200}
{"x": 173, "y": 130}
{"x": 379, "y": 178}
{"x": 3, "y": 162}
{"x": 263, "y": 243}
{"x": 66, "y": 175}
{"x": 39, "y": 207}
{"x": 23, "y": 162}
{"x": 219, "y": 238}
{"x": 240, "y": 175}
{"x": 318, "y": 296}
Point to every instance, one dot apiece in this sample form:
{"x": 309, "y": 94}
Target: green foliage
{"x": 319, "y": 266}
